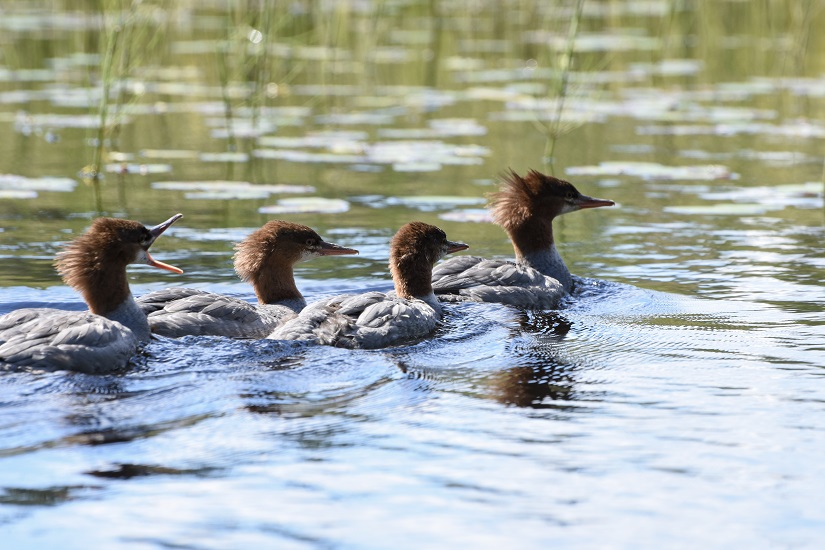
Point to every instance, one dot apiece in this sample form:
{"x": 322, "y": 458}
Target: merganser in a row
{"x": 525, "y": 207}
{"x": 375, "y": 319}
{"x": 266, "y": 259}
{"x": 108, "y": 335}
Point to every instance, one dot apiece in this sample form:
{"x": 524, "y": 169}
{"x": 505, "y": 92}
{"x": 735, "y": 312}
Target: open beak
{"x": 453, "y": 246}
{"x": 583, "y": 201}
{"x": 332, "y": 249}
{"x": 156, "y": 232}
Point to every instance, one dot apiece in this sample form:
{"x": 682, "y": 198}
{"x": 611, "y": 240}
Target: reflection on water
{"x": 675, "y": 399}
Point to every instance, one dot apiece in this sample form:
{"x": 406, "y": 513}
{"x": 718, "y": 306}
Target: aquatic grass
{"x": 553, "y": 129}
{"x": 131, "y": 34}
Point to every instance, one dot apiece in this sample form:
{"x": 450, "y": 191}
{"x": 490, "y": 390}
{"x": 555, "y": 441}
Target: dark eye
{"x": 310, "y": 242}
{"x": 570, "y": 195}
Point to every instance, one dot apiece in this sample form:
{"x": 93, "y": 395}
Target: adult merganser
{"x": 374, "y": 319}
{"x": 525, "y": 208}
{"x": 266, "y": 259}
{"x": 104, "y": 338}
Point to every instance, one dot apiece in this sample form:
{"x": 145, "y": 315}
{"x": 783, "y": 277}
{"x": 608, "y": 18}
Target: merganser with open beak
{"x": 375, "y": 319}
{"x": 108, "y": 335}
{"x": 525, "y": 208}
{"x": 266, "y": 259}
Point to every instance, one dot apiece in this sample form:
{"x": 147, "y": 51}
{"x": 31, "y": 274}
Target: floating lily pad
{"x": 13, "y": 182}
{"x": 670, "y": 67}
{"x": 438, "y": 128}
{"x": 463, "y": 63}
{"x": 408, "y": 133}
{"x": 422, "y": 202}
{"x": 724, "y": 209}
{"x": 596, "y": 42}
{"x": 801, "y": 129}
{"x": 475, "y": 215}
{"x": 17, "y": 194}
{"x": 314, "y": 140}
{"x": 654, "y": 171}
{"x": 416, "y": 167}
{"x": 305, "y": 156}
{"x": 119, "y": 156}
{"x": 306, "y": 205}
{"x": 346, "y": 119}
{"x": 243, "y": 129}
{"x": 26, "y": 121}
{"x": 170, "y": 154}
{"x": 457, "y": 127}
{"x": 227, "y": 234}
{"x": 142, "y": 169}
{"x": 230, "y": 187}
{"x": 238, "y": 194}
{"x": 434, "y": 202}
{"x": 224, "y": 157}
{"x": 801, "y": 195}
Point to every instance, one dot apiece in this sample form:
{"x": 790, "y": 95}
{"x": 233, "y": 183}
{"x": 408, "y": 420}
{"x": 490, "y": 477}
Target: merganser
{"x": 375, "y": 319}
{"x": 266, "y": 259}
{"x": 104, "y": 338}
{"x": 525, "y": 208}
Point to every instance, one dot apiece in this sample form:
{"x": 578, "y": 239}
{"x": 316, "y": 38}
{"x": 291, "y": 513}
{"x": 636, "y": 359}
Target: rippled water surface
{"x": 676, "y": 400}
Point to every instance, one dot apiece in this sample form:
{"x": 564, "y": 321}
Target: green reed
{"x": 130, "y": 35}
{"x": 553, "y": 129}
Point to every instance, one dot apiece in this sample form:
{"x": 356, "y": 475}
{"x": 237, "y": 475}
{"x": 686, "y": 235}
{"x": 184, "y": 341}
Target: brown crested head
{"x": 414, "y": 250}
{"x": 267, "y": 256}
{"x": 95, "y": 263}
{"x": 536, "y": 195}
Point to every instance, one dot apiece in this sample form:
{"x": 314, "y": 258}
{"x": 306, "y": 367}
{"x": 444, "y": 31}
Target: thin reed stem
{"x": 561, "y": 91}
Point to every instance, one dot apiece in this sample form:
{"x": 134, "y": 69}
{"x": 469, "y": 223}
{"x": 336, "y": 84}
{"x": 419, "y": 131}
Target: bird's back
{"x": 177, "y": 312}
{"x": 470, "y": 278}
{"x": 369, "y": 321}
{"x": 51, "y": 339}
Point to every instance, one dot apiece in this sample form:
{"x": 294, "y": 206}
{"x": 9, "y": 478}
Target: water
{"x": 675, "y": 401}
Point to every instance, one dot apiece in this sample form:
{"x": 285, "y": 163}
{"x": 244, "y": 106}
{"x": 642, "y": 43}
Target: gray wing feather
{"x": 499, "y": 281}
{"x": 199, "y": 313}
{"x": 371, "y": 320}
{"x": 52, "y": 339}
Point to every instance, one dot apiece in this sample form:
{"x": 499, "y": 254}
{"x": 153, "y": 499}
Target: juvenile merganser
{"x": 266, "y": 259}
{"x": 374, "y": 319}
{"x": 525, "y": 208}
{"x": 104, "y": 338}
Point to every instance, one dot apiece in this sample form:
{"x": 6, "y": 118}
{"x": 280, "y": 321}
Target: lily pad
{"x": 224, "y": 157}
{"x": 142, "y": 169}
{"x": 416, "y": 167}
{"x": 654, "y": 171}
{"x": 13, "y": 182}
{"x": 434, "y": 202}
{"x": 169, "y": 154}
{"x": 238, "y": 194}
{"x": 475, "y": 215}
{"x": 306, "y": 205}
{"x": 17, "y": 194}
{"x": 230, "y": 187}
{"x": 305, "y": 156}
{"x": 723, "y": 209}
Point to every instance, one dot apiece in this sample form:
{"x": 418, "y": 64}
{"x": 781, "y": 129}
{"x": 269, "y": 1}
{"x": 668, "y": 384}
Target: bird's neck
{"x": 130, "y": 315}
{"x": 534, "y": 247}
{"x": 276, "y": 285}
{"x": 412, "y": 280}
{"x": 106, "y": 291}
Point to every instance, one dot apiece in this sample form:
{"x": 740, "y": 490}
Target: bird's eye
{"x": 570, "y": 195}
{"x": 310, "y": 242}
